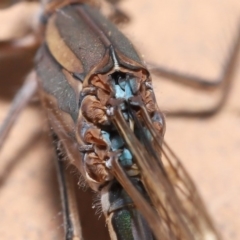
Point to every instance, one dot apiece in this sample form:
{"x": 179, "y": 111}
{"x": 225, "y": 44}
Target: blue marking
{"x": 126, "y": 158}
{"x": 128, "y": 91}
{"x": 134, "y": 85}
{"x": 119, "y": 93}
{"x": 116, "y": 143}
{"x": 122, "y": 83}
{"x": 106, "y": 137}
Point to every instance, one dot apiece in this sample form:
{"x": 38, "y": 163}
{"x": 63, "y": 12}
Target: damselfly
{"x": 171, "y": 228}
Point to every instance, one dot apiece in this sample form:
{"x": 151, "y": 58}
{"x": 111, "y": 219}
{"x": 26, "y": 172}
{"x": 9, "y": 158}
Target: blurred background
{"x": 190, "y": 38}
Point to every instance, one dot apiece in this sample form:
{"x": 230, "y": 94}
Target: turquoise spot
{"x": 119, "y": 93}
{"x": 128, "y": 91}
{"x": 116, "y": 142}
{"x": 106, "y": 137}
{"x": 126, "y": 158}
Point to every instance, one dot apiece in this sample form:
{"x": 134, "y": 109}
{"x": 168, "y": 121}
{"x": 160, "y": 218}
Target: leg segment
{"x": 224, "y": 83}
{"x": 20, "y": 101}
{"x": 72, "y": 224}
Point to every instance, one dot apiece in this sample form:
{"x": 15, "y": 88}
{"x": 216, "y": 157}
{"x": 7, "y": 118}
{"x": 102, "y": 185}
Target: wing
{"x": 180, "y": 212}
{"x": 190, "y": 199}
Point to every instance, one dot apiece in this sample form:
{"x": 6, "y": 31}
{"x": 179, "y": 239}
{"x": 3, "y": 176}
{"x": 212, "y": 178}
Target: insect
{"x": 113, "y": 54}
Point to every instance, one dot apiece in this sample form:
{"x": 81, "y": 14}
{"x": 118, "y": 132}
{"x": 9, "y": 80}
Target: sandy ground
{"x": 188, "y": 37}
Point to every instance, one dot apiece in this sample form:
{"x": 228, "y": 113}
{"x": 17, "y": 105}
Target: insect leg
{"x": 13, "y": 48}
{"x": 22, "y": 26}
{"x": 72, "y": 224}
{"x": 224, "y": 83}
{"x": 117, "y": 16}
{"x": 20, "y": 101}
{"x": 7, "y": 3}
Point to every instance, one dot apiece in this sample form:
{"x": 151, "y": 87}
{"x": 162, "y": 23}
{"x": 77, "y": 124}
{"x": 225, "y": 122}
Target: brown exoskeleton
{"x": 110, "y": 115}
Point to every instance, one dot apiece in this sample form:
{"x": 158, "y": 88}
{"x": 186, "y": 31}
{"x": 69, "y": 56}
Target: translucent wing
{"x": 192, "y": 207}
{"x": 195, "y": 211}
{"x": 181, "y": 213}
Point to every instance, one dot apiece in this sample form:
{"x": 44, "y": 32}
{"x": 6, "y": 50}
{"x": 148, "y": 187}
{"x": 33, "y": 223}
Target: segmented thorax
{"x": 107, "y": 87}
{"x": 99, "y": 101}
{"x": 86, "y": 69}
